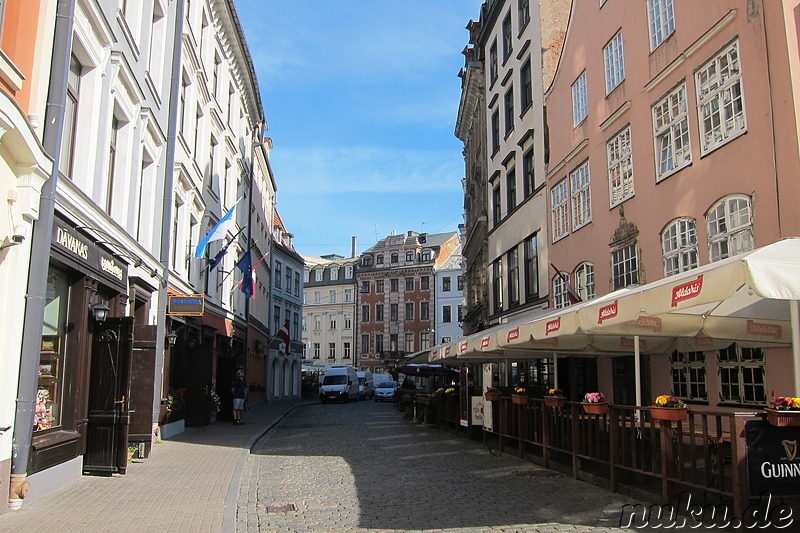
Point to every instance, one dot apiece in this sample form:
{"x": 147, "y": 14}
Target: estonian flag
{"x": 218, "y": 231}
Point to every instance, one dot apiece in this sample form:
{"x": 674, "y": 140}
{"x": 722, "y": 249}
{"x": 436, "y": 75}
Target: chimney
{"x": 353, "y": 253}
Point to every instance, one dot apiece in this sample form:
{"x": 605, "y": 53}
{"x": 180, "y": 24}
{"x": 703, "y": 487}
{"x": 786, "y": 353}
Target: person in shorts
{"x": 239, "y": 391}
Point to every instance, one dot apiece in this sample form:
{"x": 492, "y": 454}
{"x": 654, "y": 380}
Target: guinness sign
{"x": 773, "y": 464}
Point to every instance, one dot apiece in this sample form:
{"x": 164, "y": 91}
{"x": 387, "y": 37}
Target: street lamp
{"x": 100, "y": 311}
{"x": 172, "y": 338}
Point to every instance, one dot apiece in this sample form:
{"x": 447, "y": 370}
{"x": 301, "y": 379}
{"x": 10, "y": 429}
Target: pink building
{"x": 673, "y": 143}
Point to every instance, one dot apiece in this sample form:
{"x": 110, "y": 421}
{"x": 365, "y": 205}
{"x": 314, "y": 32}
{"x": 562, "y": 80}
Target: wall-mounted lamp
{"x": 172, "y": 338}
{"x": 100, "y": 311}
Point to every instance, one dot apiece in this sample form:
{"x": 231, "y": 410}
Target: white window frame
{"x": 719, "y": 89}
{"x": 560, "y": 294}
{"x": 318, "y": 274}
{"x": 332, "y": 322}
{"x": 348, "y": 272}
{"x": 332, "y": 296}
{"x": 580, "y": 102}
{"x": 661, "y": 21}
{"x": 584, "y": 281}
{"x": 673, "y": 149}
{"x": 620, "y": 167}
{"x": 560, "y": 210}
{"x": 614, "y": 62}
{"x": 580, "y": 196}
{"x": 679, "y": 246}
{"x": 625, "y": 266}
{"x": 348, "y": 295}
{"x": 730, "y": 227}
{"x": 334, "y": 273}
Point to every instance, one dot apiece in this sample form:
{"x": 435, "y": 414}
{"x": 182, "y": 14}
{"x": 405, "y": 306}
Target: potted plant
{"x": 520, "y": 396}
{"x": 595, "y": 403}
{"x": 492, "y": 394}
{"x": 131, "y": 452}
{"x": 669, "y": 408}
{"x": 554, "y": 398}
{"x": 215, "y": 402}
{"x": 783, "y": 411}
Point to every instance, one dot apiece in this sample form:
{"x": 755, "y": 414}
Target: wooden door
{"x": 198, "y": 385}
{"x": 142, "y": 385}
{"x": 109, "y": 393}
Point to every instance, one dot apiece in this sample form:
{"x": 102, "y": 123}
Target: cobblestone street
{"x": 362, "y": 467}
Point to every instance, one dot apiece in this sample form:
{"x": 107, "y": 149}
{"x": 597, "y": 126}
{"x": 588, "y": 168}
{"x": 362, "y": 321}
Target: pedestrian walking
{"x": 239, "y": 391}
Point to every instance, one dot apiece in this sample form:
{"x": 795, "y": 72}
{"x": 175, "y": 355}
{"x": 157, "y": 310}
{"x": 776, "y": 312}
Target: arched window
{"x": 730, "y": 227}
{"x": 679, "y": 244}
{"x": 560, "y": 295}
{"x": 584, "y": 281}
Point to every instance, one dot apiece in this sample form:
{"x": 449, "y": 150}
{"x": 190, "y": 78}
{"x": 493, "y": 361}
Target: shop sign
{"x": 762, "y": 328}
{"x": 552, "y": 326}
{"x": 687, "y": 290}
{"x": 513, "y": 335}
{"x": 82, "y": 251}
{"x": 185, "y": 304}
{"x": 485, "y": 343}
{"x": 773, "y": 461}
{"x": 608, "y": 311}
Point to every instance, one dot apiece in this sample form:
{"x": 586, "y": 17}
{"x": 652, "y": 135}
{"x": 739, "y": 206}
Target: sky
{"x": 361, "y": 99}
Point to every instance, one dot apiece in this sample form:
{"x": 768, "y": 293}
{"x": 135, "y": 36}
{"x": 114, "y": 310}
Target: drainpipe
{"x": 166, "y": 207}
{"x": 40, "y": 257}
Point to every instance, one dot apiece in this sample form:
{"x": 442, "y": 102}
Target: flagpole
{"x": 249, "y": 246}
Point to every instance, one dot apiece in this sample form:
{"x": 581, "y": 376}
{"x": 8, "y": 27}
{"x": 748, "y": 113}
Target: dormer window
{"x": 409, "y": 257}
{"x": 426, "y": 255}
{"x": 379, "y": 260}
{"x": 366, "y": 260}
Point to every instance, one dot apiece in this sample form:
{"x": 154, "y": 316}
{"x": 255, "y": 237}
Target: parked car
{"x": 366, "y": 387}
{"x": 385, "y": 391}
{"x": 339, "y": 383}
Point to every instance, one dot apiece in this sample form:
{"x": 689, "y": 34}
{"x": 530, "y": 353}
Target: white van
{"x": 366, "y": 387}
{"x": 339, "y": 383}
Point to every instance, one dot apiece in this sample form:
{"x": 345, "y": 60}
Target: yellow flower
{"x": 662, "y": 400}
{"x": 796, "y": 403}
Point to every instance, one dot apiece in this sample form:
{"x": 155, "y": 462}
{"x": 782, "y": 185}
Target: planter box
{"x": 491, "y": 396}
{"x": 777, "y": 417}
{"x": 675, "y": 414}
{"x": 597, "y": 408}
{"x": 520, "y": 399}
{"x": 554, "y": 401}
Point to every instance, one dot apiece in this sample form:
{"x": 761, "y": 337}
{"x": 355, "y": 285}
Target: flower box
{"x": 596, "y": 408}
{"x": 520, "y": 399}
{"x": 555, "y": 401}
{"x": 491, "y": 396}
{"x": 675, "y": 414}
{"x": 782, "y": 417}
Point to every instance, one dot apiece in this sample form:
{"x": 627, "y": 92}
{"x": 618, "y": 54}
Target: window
{"x": 334, "y": 273}
{"x": 424, "y": 311}
{"x": 662, "y": 21}
{"x": 365, "y": 287}
{"x": 558, "y": 206}
{"x": 409, "y": 256}
{"x": 316, "y": 350}
{"x": 331, "y": 350}
{"x": 495, "y": 131}
{"x": 426, "y": 255}
{"x": 580, "y": 103}
{"x": 393, "y": 313}
{"x": 446, "y": 313}
{"x": 279, "y": 275}
{"x": 493, "y": 63}
{"x": 332, "y": 296}
{"x": 70, "y": 116}
{"x": 348, "y": 321}
{"x": 679, "y": 244}
{"x": 720, "y": 103}
{"x": 511, "y": 190}
{"x": 297, "y": 283}
{"x": 581, "y": 196}
{"x": 689, "y": 375}
{"x": 394, "y": 258}
{"x": 317, "y": 297}
{"x": 393, "y": 342}
{"x": 742, "y": 374}
{"x": 507, "y": 46}
{"x": 394, "y": 284}
{"x": 460, "y": 283}
{"x": 288, "y": 279}
{"x": 409, "y": 342}
{"x": 379, "y": 260}
{"x": 508, "y": 108}
{"x": 365, "y": 313}
{"x": 409, "y": 310}
{"x": 614, "y": 62}
{"x": 671, "y": 131}
{"x": 112, "y": 162}
{"x": 346, "y": 350}
{"x": 317, "y": 322}
{"x": 524, "y": 12}
{"x": 446, "y": 284}
{"x": 53, "y": 357}
{"x": 497, "y": 285}
{"x": 348, "y": 295}
{"x": 531, "y": 267}
{"x": 378, "y": 312}
{"x": 332, "y": 322}
{"x": 348, "y": 272}
{"x": 730, "y": 228}
{"x": 526, "y": 86}
{"x": 461, "y": 313}
{"x": 379, "y": 286}
{"x": 424, "y": 283}
{"x": 620, "y": 167}
{"x": 512, "y": 265}
{"x": 424, "y": 340}
{"x": 378, "y": 343}
{"x": 584, "y": 281}
{"x": 528, "y": 184}
{"x": 409, "y": 284}
{"x": 560, "y": 294}
{"x": 366, "y": 260}
{"x": 625, "y": 266}
{"x": 306, "y": 276}
{"x": 497, "y": 205}
{"x": 364, "y": 343}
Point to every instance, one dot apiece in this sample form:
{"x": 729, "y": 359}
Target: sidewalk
{"x": 190, "y": 483}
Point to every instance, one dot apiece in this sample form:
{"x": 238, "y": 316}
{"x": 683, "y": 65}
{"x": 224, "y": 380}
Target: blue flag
{"x": 217, "y": 232}
{"x": 245, "y": 264}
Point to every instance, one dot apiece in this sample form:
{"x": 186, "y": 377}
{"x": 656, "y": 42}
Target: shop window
{"x": 689, "y": 375}
{"x": 47, "y": 411}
